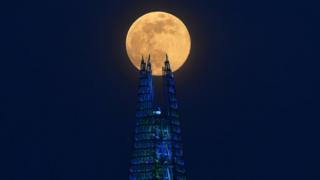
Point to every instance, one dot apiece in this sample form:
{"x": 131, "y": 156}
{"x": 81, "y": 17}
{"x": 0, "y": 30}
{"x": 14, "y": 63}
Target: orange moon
{"x": 158, "y": 34}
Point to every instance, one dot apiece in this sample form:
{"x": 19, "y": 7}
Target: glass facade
{"x": 157, "y": 153}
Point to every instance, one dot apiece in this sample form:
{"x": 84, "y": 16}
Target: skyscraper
{"x": 157, "y": 153}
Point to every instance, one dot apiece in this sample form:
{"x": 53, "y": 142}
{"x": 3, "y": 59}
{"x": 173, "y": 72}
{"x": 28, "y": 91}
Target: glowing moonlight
{"x": 158, "y": 34}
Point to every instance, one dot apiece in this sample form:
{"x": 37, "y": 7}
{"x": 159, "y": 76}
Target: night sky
{"x": 247, "y": 93}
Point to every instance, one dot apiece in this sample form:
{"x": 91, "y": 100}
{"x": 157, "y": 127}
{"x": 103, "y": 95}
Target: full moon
{"x": 157, "y": 34}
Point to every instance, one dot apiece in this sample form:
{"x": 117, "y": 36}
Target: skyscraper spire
{"x": 172, "y": 115}
{"x": 167, "y": 59}
{"x": 145, "y": 91}
{"x": 157, "y": 151}
{"x": 166, "y": 68}
{"x": 142, "y": 64}
{"x": 149, "y": 65}
{"x": 149, "y": 58}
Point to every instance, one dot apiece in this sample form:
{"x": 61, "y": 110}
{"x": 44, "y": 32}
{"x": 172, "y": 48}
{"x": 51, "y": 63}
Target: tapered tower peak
{"x": 167, "y": 59}
{"x": 157, "y": 153}
{"x": 166, "y": 67}
{"x": 142, "y": 64}
{"x": 149, "y": 69}
{"x": 149, "y": 58}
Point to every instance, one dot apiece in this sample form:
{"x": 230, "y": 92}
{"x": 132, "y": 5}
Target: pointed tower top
{"x": 142, "y": 59}
{"x": 149, "y": 64}
{"x": 142, "y": 64}
{"x": 167, "y": 59}
{"x": 166, "y": 67}
{"x": 149, "y": 59}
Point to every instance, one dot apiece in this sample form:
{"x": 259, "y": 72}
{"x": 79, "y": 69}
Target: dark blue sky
{"x": 247, "y": 93}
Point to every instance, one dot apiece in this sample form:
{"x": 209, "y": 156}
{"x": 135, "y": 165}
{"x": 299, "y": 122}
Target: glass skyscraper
{"x": 157, "y": 152}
